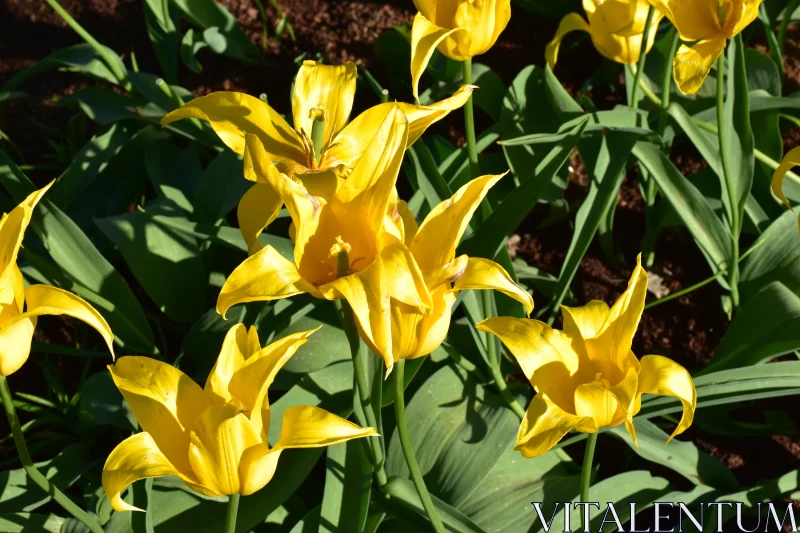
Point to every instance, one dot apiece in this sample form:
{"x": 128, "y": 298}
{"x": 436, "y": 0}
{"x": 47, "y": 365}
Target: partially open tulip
{"x": 323, "y": 95}
{"x": 706, "y": 25}
{"x": 214, "y": 438}
{"x": 792, "y": 159}
{"x": 346, "y": 246}
{"x": 417, "y": 332}
{"x": 460, "y": 29}
{"x": 615, "y": 26}
{"x": 586, "y": 377}
{"x": 20, "y": 306}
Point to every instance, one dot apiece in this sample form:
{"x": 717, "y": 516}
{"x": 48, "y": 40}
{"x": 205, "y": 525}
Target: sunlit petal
{"x": 235, "y": 351}
{"x": 663, "y": 376}
{"x": 258, "y": 207}
{"x": 15, "y": 340}
{"x": 483, "y": 274}
{"x": 545, "y": 424}
{"x": 328, "y": 88}
{"x": 311, "y": 427}
{"x": 416, "y": 333}
{"x": 571, "y": 22}
{"x": 425, "y": 37}
{"x": 692, "y": 64}
{"x": 585, "y": 322}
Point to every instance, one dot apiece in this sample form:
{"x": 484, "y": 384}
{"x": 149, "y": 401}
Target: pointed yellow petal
{"x": 219, "y": 439}
{"x": 748, "y": 13}
{"x": 258, "y": 207}
{"x": 329, "y": 88}
{"x": 47, "y": 300}
{"x": 585, "y": 322}
{"x": 661, "y": 375}
{"x": 694, "y": 20}
{"x": 12, "y": 230}
{"x": 405, "y": 280}
{"x": 410, "y": 226}
{"x": 438, "y": 236}
{"x": 232, "y": 115}
{"x": 311, "y": 427}
{"x": 545, "y": 424}
{"x": 483, "y": 22}
{"x": 265, "y": 276}
{"x": 15, "y": 340}
{"x": 425, "y": 37}
{"x": 235, "y": 350}
{"x": 420, "y": 117}
{"x": 135, "y": 458}
{"x": 571, "y": 22}
{"x": 692, "y": 64}
{"x": 792, "y": 159}
{"x": 483, "y": 274}
{"x": 164, "y": 400}
{"x": 416, "y": 333}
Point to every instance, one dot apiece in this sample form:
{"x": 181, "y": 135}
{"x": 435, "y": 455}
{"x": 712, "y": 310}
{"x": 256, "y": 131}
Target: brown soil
{"x": 686, "y": 329}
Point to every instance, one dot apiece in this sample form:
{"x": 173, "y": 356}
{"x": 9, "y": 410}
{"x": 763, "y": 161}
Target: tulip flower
{"x": 706, "y": 25}
{"x": 615, "y": 26}
{"x": 792, "y": 159}
{"x": 460, "y": 29}
{"x": 320, "y": 155}
{"x": 415, "y": 332}
{"x": 21, "y": 306}
{"x": 346, "y": 246}
{"x": 586, "y": 377}
{"x": 214, "y": 438}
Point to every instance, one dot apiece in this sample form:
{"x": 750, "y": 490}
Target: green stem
{"x": 408, "y": 450}
{"x": 27, "y": 463}
{"x": 469, "y": 122}
{"x": 666, "y": 81}
{"x": 512, "y": 402}
{"x": 735, "y": 225}
{"x": 112, "y": 65}
{"x": 494, "y": 359}
{"x": 586, "y": 470}
{"x": 233, "y": 510}
{"x": 637, "y": 79}
{"x": 785, "y": 23}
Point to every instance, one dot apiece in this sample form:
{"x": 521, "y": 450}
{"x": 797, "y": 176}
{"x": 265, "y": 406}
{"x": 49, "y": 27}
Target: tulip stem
{"x": 469, "y": 121}
{"x": 233, "y": 510}
{"x": 642, "y": 58}
{"x": 512, "y": 402}
{"x": 30, "y": 468}
{"x": 586, "y": 470}
{"x": 408, "y": 449}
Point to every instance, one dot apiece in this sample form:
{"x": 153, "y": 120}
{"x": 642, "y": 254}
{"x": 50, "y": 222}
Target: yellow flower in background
{"x": 460, "y": 29}
{"x": 323, "y": 93}
{"x": 20, "y": 306}
{"x": 346, "y": 245}
{"x": 214, "y": 438}
{"x": 615, "y": 26}
{"x": 416, "y": 332}
{"x": 706, "y": 25}
{"x": 792, "y": 159}
{"x": 586, "y": 377}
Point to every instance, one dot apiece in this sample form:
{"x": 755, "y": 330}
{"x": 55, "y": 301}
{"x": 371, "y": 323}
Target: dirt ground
{"x": 687, "y": 329}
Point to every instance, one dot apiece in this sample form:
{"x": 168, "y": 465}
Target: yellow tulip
{"x": 615, "y": 26}
{"x": 20, "y": 306}
{"x": 214, "y": 438}
{"x": 707, "y": 24}
{"x": 586, "y": 377}
{"x": 320, "y": 92}
{"x": 417, "y": 332}
{"x": 460, "y": 29}
{"x": 792, "y": 159}
{"x": 346, "y": 246}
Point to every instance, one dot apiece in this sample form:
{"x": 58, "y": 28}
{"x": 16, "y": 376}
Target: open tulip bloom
{"x": 586, "y": 377}
{"x": 21, "y": 306}
{"x": 705, "y": 27}
{"x": 322, "y": 147}
{"x": 460, "y": 29}
{"x": 214, "y": 438}
{"x": 615, "y": 26}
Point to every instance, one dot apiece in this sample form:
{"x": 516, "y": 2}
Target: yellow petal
{"x": 438, "y": 236}
{"x": 47, "y": 300}
{"x": 137, "y": 457}
{"x": 692, "y": 64}
{"x": 416, "y": 333}
{"x": 405, "y": 280}
{"x": 748, "y": 14}
{"x": 694, "y": 20}
{"x": 311, "y": 427}
{"x": 258, "y": 207}
{"x": 571, "y": 22}
{"x": 791, "y": 159}
{"x": 425, "y": 37}
{"x": 329, "y": 88}
{"x": 545, "y": 424}
{"x": 420, "y": 117}
{"x": 483, "y": 274}
{"x": 232, "y": 115}
{"x": 617, "y": 29}
{"x": 165, "y": 402}
{"x": 219, "y": 439}
{"x": 265, "y": 276}
{"x": 585, "y": 322}
{"x": 595, "y": 401}
{"x": 483, "y": 22}
{"x": 663, "y": 376}
{"x": 410, "y": 226}
{"x": 15, "y": 340}
{"x": 12, "y": 230}
{"x": 235, "y": 351}
{"x": 256, "y": 468}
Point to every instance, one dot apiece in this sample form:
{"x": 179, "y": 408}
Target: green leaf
{"x": 80, "y": 261}
{"x": 174, "y": 172}
{"x": 149, "y": 86}
{"x": 166, "y": 263}
{"x": 220, "y": 188}
{"x": 102, "y": 404}
{"x": 162, "y": 30}
{"x": 775, "y": 257}
{"x": 24, "y": 522}
{"x": 192, "y": 43}
{"x": 348, "y": 485}
{"x": 80, "y": 58}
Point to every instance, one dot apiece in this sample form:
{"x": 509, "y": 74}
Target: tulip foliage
{"x": 306, "y": 309}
